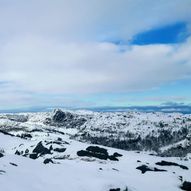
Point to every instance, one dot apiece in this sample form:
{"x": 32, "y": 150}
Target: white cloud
{"x": 40, "y": 65}
{"x": 57, "y": 47}
{"x": 89, "y": 20}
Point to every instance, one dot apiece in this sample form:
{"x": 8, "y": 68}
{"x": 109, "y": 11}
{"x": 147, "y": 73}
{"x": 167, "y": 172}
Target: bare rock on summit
{"x": 60, "y": 116}
{"x": 65, "y": 119}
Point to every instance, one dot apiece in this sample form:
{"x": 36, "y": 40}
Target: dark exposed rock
{"x": 115, "y": 169}
{"x": 55, "y": 131}
{"x": 13, "y": 164}
{"x": 60, "y": 150}
{"x": 152, "y": 154}
{"x": 60, "y": 116}
{"x": 186, "y": 186}
{"x": 61, "y": 157}
{"x": 36, "y": 130}
{"x": 33, "y": 156}
{"x": 98, "y": 152}
{"x": 17, "y": 152}
{"x": 26, "y": 151}
{"x": 166, "y": 163}
{"x": 180, "y": 178}
{"x": 65, "y": 119}
{"x": 57, "y": 142}
{"x": 96, "y": 149}
{"x": 6, "y": 133}
{"x": 91, "y": 154}
{"x": 83, "y": 153}
{"x": 2, "y": 171}
{"x": 46, "y": 161}
{"x": 47, "y": 121}
{"x": 112, "y": 157}
{"x": 50, "y": 148}
{"x": 145, "y": 168}
{"x": 1, "y": 155}
{"x": 59, "y": 139}
{"x": 26, "y": 136}
{"x": 117, "y": 154}
{"x": 40, "y": 149}
{"x": 115, "y": 189}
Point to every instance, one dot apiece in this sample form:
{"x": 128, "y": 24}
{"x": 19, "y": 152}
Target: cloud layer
{"x": 40, "y": 65}
{"x": 66, "y": 47}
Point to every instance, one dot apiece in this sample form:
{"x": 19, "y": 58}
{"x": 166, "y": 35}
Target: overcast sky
{"x": 85, "y": 53}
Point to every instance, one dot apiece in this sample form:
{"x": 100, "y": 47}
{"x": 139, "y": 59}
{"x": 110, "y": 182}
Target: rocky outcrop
{"x": 167, "y": 163}
{"x": 65, "y": 119}
{"x": 186, "y": 186}
{"x": 145, "y": 168}
{"x": 98, "y": 152}
{"x": 41, "y": 150}
{"x": 59, "y": 116}
{"x": 46, "y": 161}
{"x": 60, "y": 150}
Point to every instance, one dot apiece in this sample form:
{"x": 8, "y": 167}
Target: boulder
{"x": 186, "y": 186}
{"x": 60, "y": 150}
{"x": 46, "y": 161}
{"x": 33, "y": 156}
{"x": 1, "y": 155}
{"x": 40, "y": 149}
{"x": 26, "y": 136}
{"x": 115, "y": 189}
{"x": 96, "y": 149}
{"x": 145, "y": 168}
{"x": 117, "y": 154}
{"x": 98, "y": 152}
{"x": 17, "y": 152}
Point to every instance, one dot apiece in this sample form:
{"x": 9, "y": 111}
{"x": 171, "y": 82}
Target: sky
{"x": 94, "y": 53}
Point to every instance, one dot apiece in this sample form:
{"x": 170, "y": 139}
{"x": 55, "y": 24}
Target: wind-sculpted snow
{"x": 56, "y": 150}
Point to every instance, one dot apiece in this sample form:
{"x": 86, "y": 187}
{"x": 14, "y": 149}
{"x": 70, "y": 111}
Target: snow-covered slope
{"x": 158, "y": 132}
{"x": 55, "y": 151}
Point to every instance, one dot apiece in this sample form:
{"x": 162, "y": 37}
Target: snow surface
{"x": 76, "y": 173}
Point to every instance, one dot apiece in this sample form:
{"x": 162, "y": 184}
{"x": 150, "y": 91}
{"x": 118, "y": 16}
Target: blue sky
{"x": 94, "y": 53}
{"x": 172, "y": 33}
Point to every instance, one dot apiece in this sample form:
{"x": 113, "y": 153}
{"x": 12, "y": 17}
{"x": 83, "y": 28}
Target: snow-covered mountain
{"x": 101, "y": 151}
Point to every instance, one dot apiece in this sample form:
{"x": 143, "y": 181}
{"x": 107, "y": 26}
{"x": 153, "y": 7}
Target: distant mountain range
{"x": 184, "y": 109}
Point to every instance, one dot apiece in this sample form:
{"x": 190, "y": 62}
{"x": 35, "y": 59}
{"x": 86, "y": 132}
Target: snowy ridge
{"x": 68, "y": 150}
